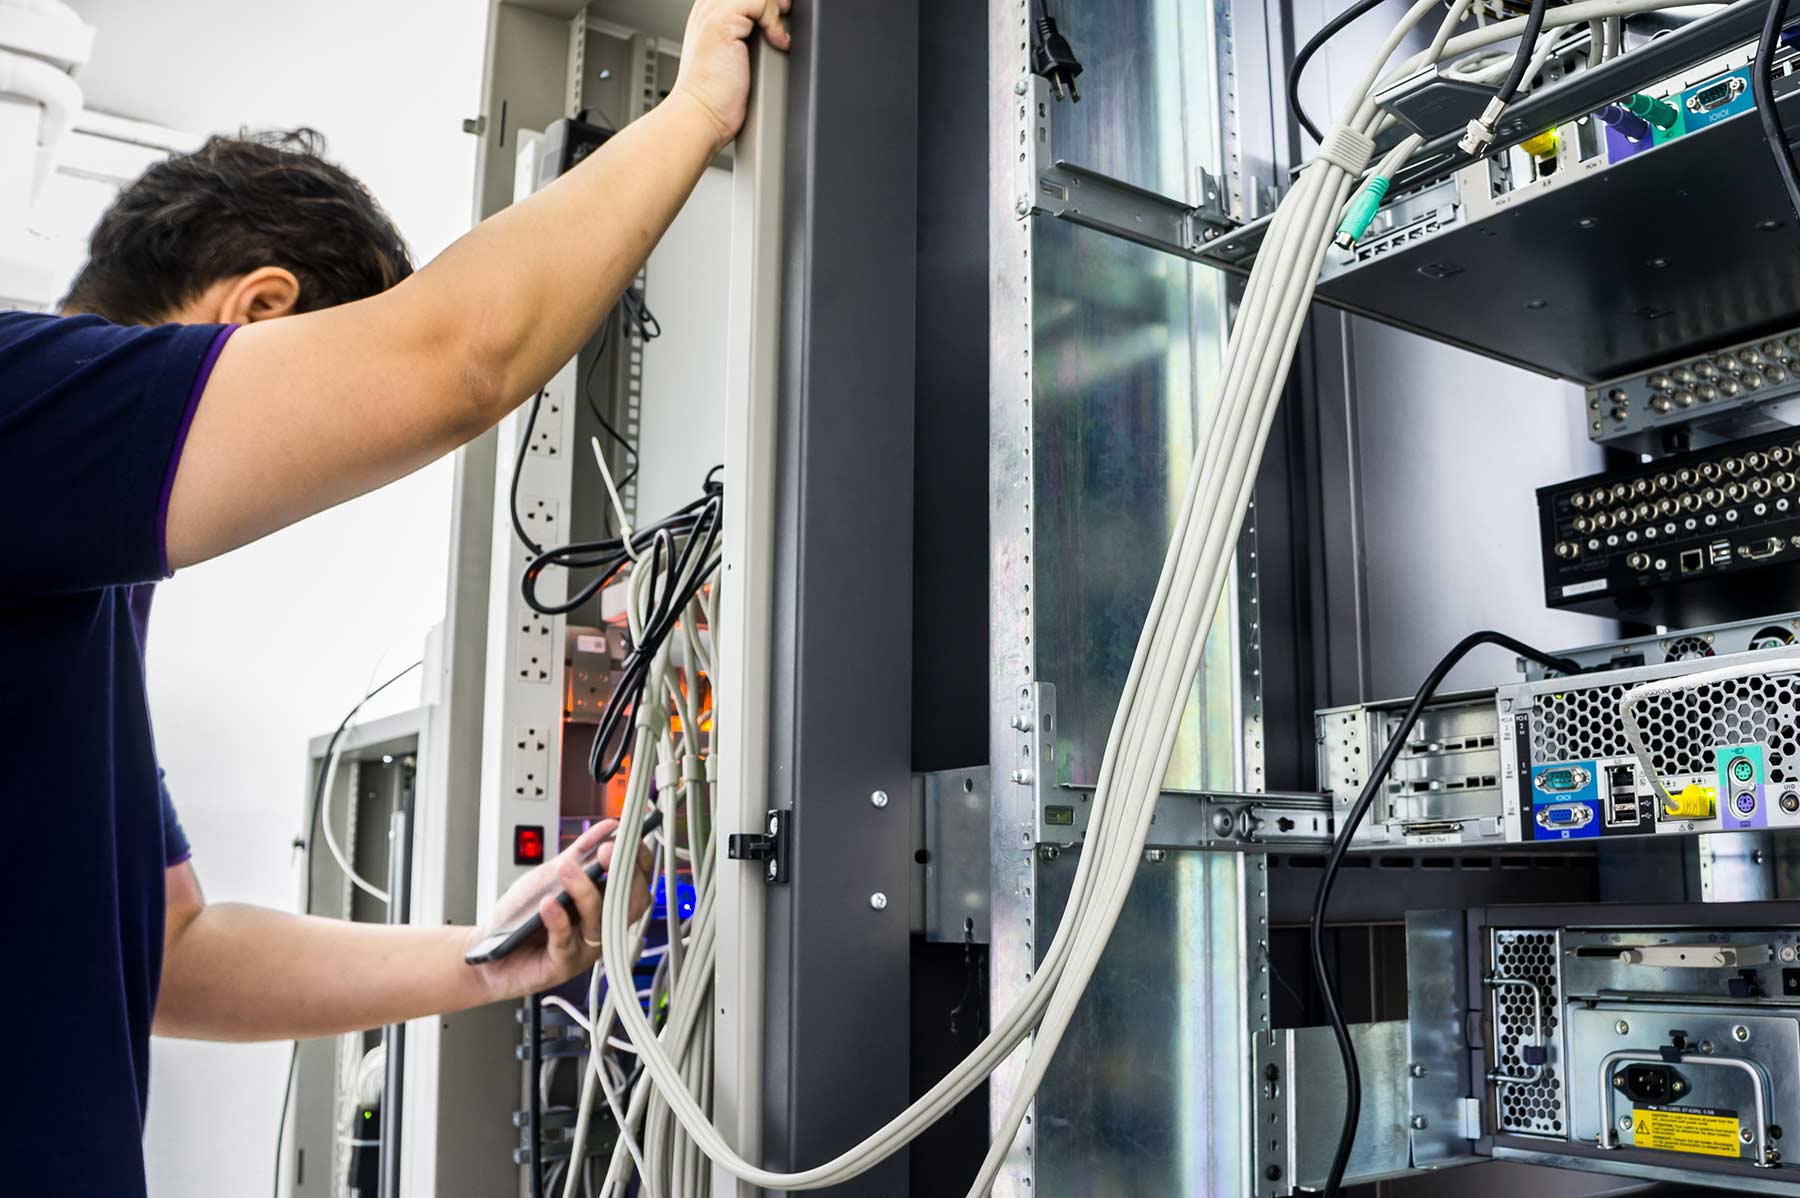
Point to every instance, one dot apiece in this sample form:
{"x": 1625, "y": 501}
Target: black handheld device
{"x": 524, "y": 922}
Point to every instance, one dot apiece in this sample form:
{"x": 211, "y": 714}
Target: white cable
{"x": 361, "y": 883}
{"x": 1662, "y": 686}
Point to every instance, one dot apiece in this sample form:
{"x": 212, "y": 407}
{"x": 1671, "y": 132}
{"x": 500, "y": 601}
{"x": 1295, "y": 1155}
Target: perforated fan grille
{"x": 1535, "y": 1108}
{"x": 1681, "y": 728}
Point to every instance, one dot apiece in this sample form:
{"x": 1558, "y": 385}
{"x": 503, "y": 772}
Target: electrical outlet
{"x": 530, "y": 763}
{"x": 546, "y": 434}
{"x": 539, "y": 518}
{"x": 533, "y": 659}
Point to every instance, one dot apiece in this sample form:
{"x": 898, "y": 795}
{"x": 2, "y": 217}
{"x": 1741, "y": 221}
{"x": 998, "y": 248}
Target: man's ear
{"x": 264, "y": 294}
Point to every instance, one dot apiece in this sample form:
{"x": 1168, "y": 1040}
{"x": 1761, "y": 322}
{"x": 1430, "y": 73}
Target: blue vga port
{"x": 1564, "y": 817}
{"x": 1562, "y": 779}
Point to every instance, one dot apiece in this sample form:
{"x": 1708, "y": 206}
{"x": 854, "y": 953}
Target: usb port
{"x": 1621, "y": 796}
{"x": 1719, "y": 552}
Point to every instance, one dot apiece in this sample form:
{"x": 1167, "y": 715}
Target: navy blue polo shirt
{"x": 92, "y": 421}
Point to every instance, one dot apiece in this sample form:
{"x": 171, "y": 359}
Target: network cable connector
{"x": 1480, "y": 132}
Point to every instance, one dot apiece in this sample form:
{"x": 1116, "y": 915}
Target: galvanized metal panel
{"x": 1104, "y": 355}
{"x": 1149, "y": 1093}
{"x": 1308, "y": 1080}
{"x": 1437, "y": 1007}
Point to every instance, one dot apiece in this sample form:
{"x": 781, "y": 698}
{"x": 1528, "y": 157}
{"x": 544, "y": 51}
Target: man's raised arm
{"x": 302, "y": 413}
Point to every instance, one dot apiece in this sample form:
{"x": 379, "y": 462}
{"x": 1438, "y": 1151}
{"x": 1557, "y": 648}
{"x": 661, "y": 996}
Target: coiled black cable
{"x": 1762, "y": 79}
{"x": 1353, "y": 818}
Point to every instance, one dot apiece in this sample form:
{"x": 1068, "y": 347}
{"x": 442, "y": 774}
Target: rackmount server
{"x": 1675, "y": 540}
{"x": 1687, "y": 644}
{"x": 1651, "y": 1041}
{"x": 1549, "y": 762}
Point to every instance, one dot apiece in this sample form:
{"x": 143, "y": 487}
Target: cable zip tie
{"x": 617, "y": 505}
{"x": 693, "y": 768}
{"x": 665, "y": 777}
{"x": 1347, "y": 149}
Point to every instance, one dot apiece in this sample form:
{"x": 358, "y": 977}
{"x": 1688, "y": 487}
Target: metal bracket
{"x": 1058, "y": 818}
{"x": 1095, "y": 201}
{"x": 1225, "y": 821}
{"x": 774, "y": 847}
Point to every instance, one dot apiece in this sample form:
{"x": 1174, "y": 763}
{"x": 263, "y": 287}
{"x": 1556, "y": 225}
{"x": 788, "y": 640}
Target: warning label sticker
{"x": 1686, "y": 1129}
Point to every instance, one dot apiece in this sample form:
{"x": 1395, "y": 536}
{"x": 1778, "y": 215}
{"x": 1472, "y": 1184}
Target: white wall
{"x": 252, "y": 654}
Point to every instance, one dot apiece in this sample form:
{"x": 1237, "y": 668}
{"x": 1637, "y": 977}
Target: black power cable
{"x": 669, "y": 596}
{"x": 1377, "y": 778}
{"x": 1762, "y": 80}
{"x": 312, "y": 822}
{"x": 1326, "y": 32}
{"x": 1515, "y": 77}
{"x": 608, "y": 555}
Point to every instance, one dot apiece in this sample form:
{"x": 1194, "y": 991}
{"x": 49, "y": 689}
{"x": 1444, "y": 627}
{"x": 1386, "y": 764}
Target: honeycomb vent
{"x": 1681, "y": 729}
{"x": 1532, "y": 1108}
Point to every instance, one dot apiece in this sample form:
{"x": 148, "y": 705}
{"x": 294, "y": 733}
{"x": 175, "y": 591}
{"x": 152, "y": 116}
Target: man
{"x": 246, "y": 348}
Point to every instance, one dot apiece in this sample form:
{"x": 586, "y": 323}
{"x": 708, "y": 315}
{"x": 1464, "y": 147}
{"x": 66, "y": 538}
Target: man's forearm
{"x": 247, "y": 973}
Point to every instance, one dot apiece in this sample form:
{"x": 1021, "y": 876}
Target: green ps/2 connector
{"x": 1657, "y": 112}
{"x": 1361, "y": 211}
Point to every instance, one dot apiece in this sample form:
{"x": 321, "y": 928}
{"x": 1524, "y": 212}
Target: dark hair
{"x": 233, "y": 205}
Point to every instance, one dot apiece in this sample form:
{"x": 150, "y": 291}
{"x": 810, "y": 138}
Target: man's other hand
{"x": 715, "y": 59}
{"x": 571, "y": 943}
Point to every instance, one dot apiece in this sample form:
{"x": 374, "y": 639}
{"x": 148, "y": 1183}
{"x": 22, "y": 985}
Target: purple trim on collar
{"x": 181, "y": 435}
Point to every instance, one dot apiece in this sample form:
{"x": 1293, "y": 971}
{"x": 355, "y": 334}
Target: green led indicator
{"x": 368, "y": 1114}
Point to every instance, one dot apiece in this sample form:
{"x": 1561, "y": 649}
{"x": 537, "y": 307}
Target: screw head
{"x": 1416, "y": 1070}
{"x": 1623, "y": 1028}
{"x": 878, "y": 799}
{"x": 1746, "y": 1135}
{"x": 1624, "y": 1122}
{"x": 1706, "y": 1046}
{"x": 1049, "y": 852}
{"x": 1021, "y": 87}
{"x": 1418, "y": 1123}
{"x": 878, "y": 901}
{"x": 1021, "y": 776}
{"x": 1740, "y": 1033}
{"x": 771, "y": 870}
{"x": 1156, "y": 856}
{"x": 1022, "y": 206}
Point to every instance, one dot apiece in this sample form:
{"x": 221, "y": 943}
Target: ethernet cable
{"x": 1633, "y": 698}
{"x": 1166, "y": 661}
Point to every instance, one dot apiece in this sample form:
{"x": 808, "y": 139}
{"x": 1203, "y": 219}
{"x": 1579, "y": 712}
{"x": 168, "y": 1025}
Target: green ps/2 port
{"x": 1562, "y": 779}
{"x": 1743, "y": 770}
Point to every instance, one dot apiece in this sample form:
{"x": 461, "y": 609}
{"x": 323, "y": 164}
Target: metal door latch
{"x": 773, "y": 847}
